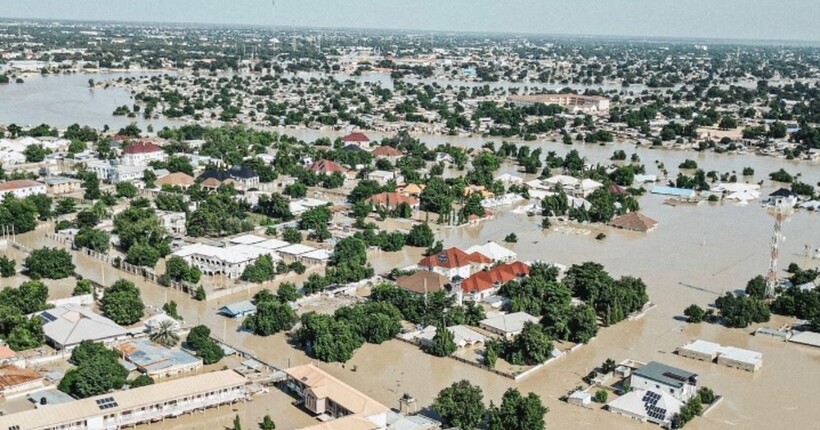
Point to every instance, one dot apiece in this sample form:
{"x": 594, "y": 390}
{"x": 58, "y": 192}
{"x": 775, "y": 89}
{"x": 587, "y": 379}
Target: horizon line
{"x": 645, "y": 38}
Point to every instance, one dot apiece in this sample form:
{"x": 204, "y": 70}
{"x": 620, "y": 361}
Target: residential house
{"x": 142, "y": 154}
{"x": 21, "y": 188}
{"x": 61, "y": 185}
{"x": 128, "y": 408}
{"x": 241, "y": 177}
{"x": 358, "y": 139}
{"x": 66, "y": 326}
{"x": 493, "y": 251}
{"x": 486, "y": 283}
{"x": 15, "y": 381}
{"x": 230, "y": 261}
{"x": 453, "y": 262}
{"x": 463, "y": 336}
{"x": 634, "y": 221}
{"x": 239, "y": 309}
{"x": 508, "y": 325}
{"x": 384, "y": 177}
{"x": 176, "y": 179}
{"x": 744, "y": 359}
{"x": 392, "y": 200}
{"x": 326, "y": 167}
{"x": 654, "y": 406}
{"x": 324, "y": 395}
{"x": 423, "y": 282}
{"x": 659, "y": 377}
{"x": 156, "y": 360}
{"x": 173, "y": 222}
{"x": 387, "y": 152}
{"x": 782, "y": 198}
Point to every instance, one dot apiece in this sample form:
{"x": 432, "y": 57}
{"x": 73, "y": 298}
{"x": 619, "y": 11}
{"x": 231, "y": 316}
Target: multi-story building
{"x": 659, "y": 377}
{"x": 22, "y": 188}
{"x": 454, "y": 262}
{"x": 128, "y": 408}
{"x": 141, "y": 154}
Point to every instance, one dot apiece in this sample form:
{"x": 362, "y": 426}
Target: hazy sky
{"x": 735, "y": 19}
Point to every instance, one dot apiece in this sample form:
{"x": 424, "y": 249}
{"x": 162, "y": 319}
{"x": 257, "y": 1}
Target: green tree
{"x": 601, "y": 396}
{"x": 165, "y": 334}
{"x": 237, "y": 425}
{"x": 91, "y": 184}
{"x": 126, "y": 190}
{"x": 460, "y": 405}
{"x": 271, "y": 317}
{"x": 122, "y": 303}
{"x": 267, "y": 423}
{"x": 98, "y": 371}
{"x": 141, "y": 381}
{"x": 694, "y": 313}
{"x": 35, "y": 153}
{"x": 82, "y": 287}
{"x": 287, "y": 292}
{"x": 93, "y": 239}
{"x": 534, "y": 344}
{"x": 7, "y": 267}
{"x": 199, "y": 293}
{"x": 177, "y": 269}
{"x": 442, "y": 344}
{"x": 756, "y": 287}
{"x": 198, "y": 336}
{"x": 261, "y": 270}
{"x": 50, "y": 263}
{"x": 170, "y": 309}
{"x": 291, "y": 235}
{"x": 517, "y": 412}
{"x": 420, "y": 236}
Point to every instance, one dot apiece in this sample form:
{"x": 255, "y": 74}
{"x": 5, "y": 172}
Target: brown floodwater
{"x": 695, "y": 254}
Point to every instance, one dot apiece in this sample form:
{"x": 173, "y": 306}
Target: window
{"x": 672, "y": 391}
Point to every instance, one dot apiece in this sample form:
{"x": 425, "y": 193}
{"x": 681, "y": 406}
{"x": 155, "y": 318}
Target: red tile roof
{"x": 18, "y": 184}
{"x": 498, "y": 275}
{"x": 356, "y": 137}
{"x": 391, "y": 200}
{"x": 141, "y": 148}
{"x": 386, "y": 151}
{"x": 452, "y": 258}
{"x": 326, "y": 166}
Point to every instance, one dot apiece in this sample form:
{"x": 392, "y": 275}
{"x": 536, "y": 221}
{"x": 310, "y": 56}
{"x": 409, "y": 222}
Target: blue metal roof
{"x": 239, "y": 308}
{"x": 672, "y": 191}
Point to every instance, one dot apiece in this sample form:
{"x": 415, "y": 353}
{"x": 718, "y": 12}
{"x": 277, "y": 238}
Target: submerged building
{"x": 129, "y": 408}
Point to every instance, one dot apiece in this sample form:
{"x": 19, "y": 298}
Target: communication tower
{"x": 780, "y": 210}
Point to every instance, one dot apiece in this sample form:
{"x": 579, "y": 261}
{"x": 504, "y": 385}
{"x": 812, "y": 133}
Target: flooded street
{"x": 694, "y": 255}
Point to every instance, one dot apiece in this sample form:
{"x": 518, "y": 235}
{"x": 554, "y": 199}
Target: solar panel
{"x": 675, "y": 376}
{"x": 106, "y": 403}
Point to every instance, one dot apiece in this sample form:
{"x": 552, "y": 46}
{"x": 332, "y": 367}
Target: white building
{"x": 659, "y": 377}
{"x": 173, "y": 222}
{"x": 647, "y": 405}
{"x": 383, "y": 177}
{"x": 744, "y": 359}
{"x": 230, "y": 261}
{"x": 494, "y": 252}
{"x": 508, "y": 325}
{"x": 141, "y": 154}
{"x": 67, "y": 325}
{"x": 142, "y": 405}
{"x": 22, "y": 188}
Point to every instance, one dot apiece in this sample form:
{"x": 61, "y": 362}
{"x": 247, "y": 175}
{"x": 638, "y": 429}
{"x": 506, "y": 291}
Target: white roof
{"x": 563, "y": 180}
{"x": 272, "y": 244}
{"x": 735, "y": 187}
{"x": 510, "y": 323}
{"x": 319, "y": 254}
{"x": 70, "y": 324}
{"x": 295, "y": 249}
{"x": 633, "y": 403}
{"x": 247, "y": 239}
{"x": 646, "y": 178}
{"x": 589, "y": 184}
{"x": 463, "y": 335}
{"x": 382, "y": 173}
{"x": 231, "y": 254}
{"x": 512, "y": 179}
{"x": 702, "y": 347}
{"x": 493, "y": 251}
{"x": 741, "y": 355}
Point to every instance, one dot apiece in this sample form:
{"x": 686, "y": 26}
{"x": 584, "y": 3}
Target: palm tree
{"x": 165, "y": 334}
